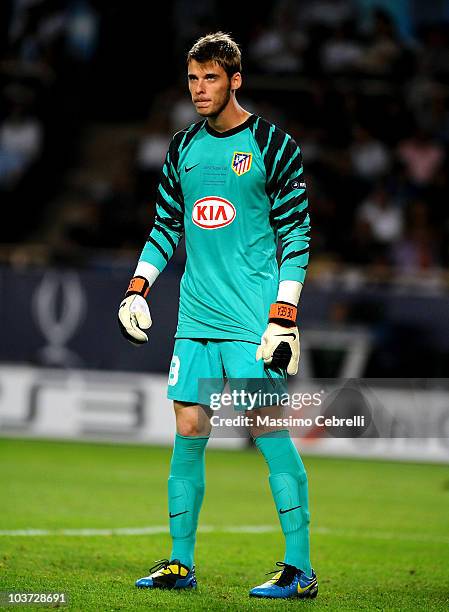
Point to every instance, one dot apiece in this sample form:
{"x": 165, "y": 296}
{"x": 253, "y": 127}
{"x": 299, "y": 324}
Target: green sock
{"x": 185, "y": 494}
{"x": 288, "y": 482}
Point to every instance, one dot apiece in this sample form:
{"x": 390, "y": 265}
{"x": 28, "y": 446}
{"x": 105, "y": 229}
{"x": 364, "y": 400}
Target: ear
{"x": 236, "y": 81}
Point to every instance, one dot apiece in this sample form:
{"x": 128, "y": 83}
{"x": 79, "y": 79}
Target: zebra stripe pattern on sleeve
{"x": 169, "y": 219}
{"x": 286, "y": 189}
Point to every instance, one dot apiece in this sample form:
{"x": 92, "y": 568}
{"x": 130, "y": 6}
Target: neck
{"x": 230, "y": 117}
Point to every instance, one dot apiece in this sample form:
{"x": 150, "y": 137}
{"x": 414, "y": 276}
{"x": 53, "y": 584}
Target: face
{"x": 210, "y": 87}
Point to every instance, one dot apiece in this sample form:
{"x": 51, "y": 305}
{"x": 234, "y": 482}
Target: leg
{"x": 288, "y": 483}
{"x": 191, "y": 360}
{"x": 288, "y": 479}
{"x": 186, "y": 482}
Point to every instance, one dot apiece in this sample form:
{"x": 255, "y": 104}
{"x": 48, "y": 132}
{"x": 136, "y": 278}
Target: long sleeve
{"x": 289, "y": 208}
{"x": 169, "y": 220}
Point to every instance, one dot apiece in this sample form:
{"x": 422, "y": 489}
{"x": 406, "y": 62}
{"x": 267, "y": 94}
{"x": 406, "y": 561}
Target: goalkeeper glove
{"x": 279, "y": 347}
{"x": 134, "y": 314}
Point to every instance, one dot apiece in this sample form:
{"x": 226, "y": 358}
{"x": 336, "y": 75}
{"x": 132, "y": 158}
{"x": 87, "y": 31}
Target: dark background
{"x": 90, "y": 94}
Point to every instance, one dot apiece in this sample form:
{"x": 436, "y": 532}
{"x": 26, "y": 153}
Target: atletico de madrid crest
{"x": 241, "y": 162}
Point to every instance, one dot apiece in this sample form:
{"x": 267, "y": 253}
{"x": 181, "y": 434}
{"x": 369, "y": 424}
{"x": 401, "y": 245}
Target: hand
{"x": 279, "y": 348}
{"x": 134, "y": 316}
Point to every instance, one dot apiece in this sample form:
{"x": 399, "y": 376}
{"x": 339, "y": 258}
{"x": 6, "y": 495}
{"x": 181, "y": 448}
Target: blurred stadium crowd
{"x": 91, "y": 92}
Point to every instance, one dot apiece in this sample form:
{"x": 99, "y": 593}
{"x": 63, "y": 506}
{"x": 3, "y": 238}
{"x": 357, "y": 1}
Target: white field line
{"x": 254, "y": 529}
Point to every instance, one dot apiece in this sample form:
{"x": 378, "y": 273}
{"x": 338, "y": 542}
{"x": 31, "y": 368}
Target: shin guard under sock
{"x": 185, "y": 494}
{"x": 288, "y": 482}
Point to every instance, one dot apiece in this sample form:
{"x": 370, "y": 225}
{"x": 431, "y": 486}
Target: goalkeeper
{"x": 233, "y": 185}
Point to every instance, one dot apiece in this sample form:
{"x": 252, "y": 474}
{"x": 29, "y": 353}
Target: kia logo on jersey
{"x": 213, "y": 212}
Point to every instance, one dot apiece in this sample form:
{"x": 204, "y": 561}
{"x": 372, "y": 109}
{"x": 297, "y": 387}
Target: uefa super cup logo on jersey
{"x": 213, "y": 212}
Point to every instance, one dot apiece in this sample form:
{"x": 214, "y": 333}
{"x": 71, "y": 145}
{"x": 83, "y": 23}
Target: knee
{"x": 189, "y": 430}
{"x": 191, "y": 420}
{"x": 189, "y": 427}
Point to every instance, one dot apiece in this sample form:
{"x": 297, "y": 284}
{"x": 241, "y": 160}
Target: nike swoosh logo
{"x": 191, "y": 167}
{"x": 292, "y": 335}
{"x": 288, "y": 509}
{"x": 306, "y": 588}
{"x": 178, "y": 514}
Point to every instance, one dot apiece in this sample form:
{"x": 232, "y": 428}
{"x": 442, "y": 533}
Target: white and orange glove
{"x": 134, "y": 314}
{"x": 279, "y": 346}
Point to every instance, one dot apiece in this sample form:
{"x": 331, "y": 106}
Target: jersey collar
{"x": 232, "y": 131}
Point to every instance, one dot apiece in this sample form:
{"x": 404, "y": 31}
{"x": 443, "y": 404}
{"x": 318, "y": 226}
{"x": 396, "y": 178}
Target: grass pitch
{"x": 380, "y": 531}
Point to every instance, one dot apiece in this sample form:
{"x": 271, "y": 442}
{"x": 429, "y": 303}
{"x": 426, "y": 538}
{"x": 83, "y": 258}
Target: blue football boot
{"x": 288, "y": 583}
{"x": 168, "y": 575}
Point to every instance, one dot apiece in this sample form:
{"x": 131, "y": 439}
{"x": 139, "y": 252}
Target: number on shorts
{"x": 174, "y": 371}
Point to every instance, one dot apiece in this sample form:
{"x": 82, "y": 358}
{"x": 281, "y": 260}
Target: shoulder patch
{"x": 295, "y": 184}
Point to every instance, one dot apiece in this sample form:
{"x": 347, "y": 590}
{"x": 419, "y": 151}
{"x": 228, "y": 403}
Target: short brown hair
{"x": 218, "y": 47}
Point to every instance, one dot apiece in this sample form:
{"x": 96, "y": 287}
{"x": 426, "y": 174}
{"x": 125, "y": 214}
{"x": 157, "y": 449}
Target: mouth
{"x": 202, "y": 103}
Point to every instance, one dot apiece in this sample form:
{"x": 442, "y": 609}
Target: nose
{"x": 200, "y": 86}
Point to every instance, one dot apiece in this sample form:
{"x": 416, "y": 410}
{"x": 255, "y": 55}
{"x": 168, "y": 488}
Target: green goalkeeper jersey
{"x": 233, "y": 194}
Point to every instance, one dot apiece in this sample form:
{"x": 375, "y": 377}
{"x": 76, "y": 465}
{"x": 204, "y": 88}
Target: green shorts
{"x": 221, "y": 360}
